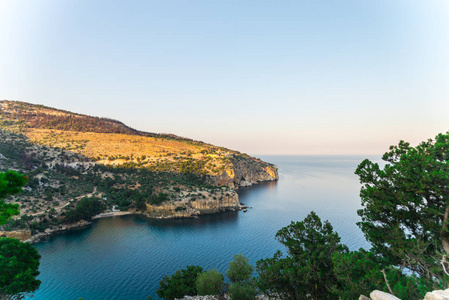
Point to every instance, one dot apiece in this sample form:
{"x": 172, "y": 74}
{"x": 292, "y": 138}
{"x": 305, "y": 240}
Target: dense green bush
{"x": 242, "y": 291}
{"x": 85, "y": 210}
{"x": 180, "y": 284}
{"x": 239, "y": 269}
{"x": 210, "y": 282}
{"x": 240, "y": 273}
{"x": 318, "y": 265}
{"x": 10, "y": 183}
{"x": 359, "y": 272}
{"x": 19, "y": 263}
{"x": 308, "y": 267}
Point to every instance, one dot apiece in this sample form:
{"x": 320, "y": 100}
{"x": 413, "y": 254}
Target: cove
{"x": 125, "y": 257}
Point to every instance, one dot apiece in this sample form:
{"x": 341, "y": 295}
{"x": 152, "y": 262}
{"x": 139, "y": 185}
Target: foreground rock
{"x": 259, "y": 297}
{"x": 434, "y": 295}
{"x": 379, "y": 295}
{"x": 437, "y": 295}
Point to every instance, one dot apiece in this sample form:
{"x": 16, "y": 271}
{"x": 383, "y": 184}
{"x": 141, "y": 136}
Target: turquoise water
{"x": 125, "y": 257}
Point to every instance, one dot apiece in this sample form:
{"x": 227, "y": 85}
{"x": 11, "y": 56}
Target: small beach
{"x": 112, "y": 214}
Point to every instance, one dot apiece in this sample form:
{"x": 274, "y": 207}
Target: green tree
{"x": 210, "y": 282}
{"x": 406, "y": 207}
{"x": 242, "y": 291}
{"x": 10, "y": 183}
{"x": 308, "y": 267}
{"x": 239, "y": 269}
{"x": 19, "y": 263}
{"x": 180, "y": 284}
{"x": 85, "y": 210}
{"x": 359, "y": 272}
{"x": 240, "y": 273}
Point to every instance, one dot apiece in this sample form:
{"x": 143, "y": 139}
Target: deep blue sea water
{"x": 125, "y": 257}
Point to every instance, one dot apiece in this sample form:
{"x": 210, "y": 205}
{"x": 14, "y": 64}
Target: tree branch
{"x": 386, "y": 281}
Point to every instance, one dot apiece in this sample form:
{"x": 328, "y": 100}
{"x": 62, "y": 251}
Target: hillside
{"x": 68, "y": 156}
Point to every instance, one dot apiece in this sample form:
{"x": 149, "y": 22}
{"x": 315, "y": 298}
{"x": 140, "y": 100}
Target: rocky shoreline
{"x": 56, "y": 229}
{"x": 374, "y": 295}
{"x": 171, "y": 210}
{"x": 33, "y": 239}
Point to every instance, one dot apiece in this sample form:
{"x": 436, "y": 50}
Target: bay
{"x": 125, "y": 257}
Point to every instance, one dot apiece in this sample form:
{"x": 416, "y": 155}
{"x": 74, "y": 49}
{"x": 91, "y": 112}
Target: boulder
{"x": 437, "y": 295}
{"x": 362, "y": 297}
{"x": 379, "y": 295}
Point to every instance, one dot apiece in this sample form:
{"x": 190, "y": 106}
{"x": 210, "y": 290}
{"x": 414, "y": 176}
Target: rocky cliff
{"x": 206, "y": 203}
{"x": 247, "y": 171}
{"x": 68, "y": 156}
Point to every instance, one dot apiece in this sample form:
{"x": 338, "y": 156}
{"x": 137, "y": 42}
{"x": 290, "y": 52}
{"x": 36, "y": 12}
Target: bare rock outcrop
{"x": 434, "y": 295}
{"x": 437, "y": 295}
{"x": 247, "y": 171}
{"x": 188, "y": 207}
{"x": 379, "y": 295}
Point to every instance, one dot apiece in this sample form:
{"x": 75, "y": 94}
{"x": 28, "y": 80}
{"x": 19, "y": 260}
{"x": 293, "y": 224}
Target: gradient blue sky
{"x": 262, "y": 77}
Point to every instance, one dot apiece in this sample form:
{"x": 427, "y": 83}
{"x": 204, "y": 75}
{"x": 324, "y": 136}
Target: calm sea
{"x": 125, "y": 257}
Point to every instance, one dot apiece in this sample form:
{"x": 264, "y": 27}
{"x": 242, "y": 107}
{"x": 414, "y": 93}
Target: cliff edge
{"x": 69, "y": 156}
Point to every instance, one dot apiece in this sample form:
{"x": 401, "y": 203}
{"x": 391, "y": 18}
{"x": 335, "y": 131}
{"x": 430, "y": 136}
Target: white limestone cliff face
{"x": 248, "y": 171}
{"x": 189, "y": 207}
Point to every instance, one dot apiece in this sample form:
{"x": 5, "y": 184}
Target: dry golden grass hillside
{"x": 111, "y": 142}
{"x": 117, "y": 149}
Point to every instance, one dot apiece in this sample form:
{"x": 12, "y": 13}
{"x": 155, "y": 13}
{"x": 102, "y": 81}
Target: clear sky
{"x": 261, "y": 77}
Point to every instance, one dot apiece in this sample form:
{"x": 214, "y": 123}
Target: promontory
{"x": 78, "y": 166}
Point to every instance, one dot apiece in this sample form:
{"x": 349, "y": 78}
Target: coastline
{"x": 39, "y": 237}
{"x": 54, "y": 230}
{"x": 36, "y": 238}
{"x": 113, "y": 214}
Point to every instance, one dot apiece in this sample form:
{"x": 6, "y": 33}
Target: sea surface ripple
{"x": 126, "y": 257}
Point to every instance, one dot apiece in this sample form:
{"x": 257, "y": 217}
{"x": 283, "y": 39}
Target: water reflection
{"x": 261, "y": 187}
{"x": 228, "y": 217}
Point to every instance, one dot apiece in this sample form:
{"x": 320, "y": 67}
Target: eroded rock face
{"x": 210, "y": 205}
{"x": 248, "y": 171}
{"x": 188, "y": 208}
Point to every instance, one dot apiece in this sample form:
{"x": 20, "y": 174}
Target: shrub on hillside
{"x": 210, "y": 282}
{"x": 240, "y": 274}
{"x": 180, "y": 284}
{"x": 85, "y": 210}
